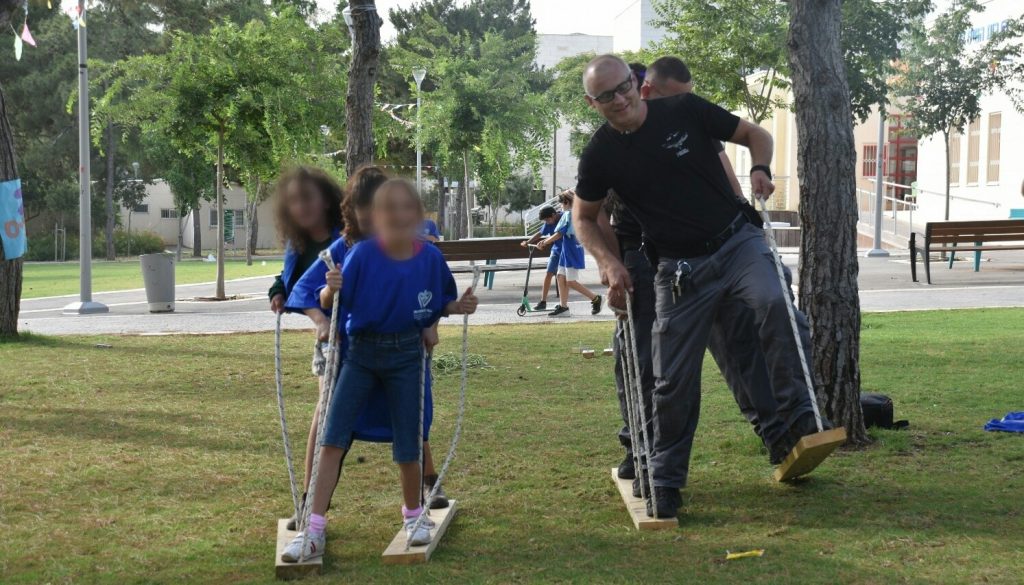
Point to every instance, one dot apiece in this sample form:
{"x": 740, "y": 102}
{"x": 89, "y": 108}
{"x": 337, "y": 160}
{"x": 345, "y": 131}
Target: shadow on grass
{"x": 145, "y": 428}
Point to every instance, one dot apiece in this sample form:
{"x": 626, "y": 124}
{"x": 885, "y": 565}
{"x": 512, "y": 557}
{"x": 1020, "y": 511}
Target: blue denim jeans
{"x": 391, "y": 363}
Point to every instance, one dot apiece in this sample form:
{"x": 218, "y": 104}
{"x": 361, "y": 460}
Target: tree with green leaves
{"x": 738, "y": 54}
{"x": 735, "y": 48}
{"x": 942, "y": 80}
{"x": 486, "y": 110}
{"x": 250, "y": 97}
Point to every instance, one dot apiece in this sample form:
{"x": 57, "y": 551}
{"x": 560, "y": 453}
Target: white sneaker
{"x": 422, "y": 535}
{"x": 315, "y": 546}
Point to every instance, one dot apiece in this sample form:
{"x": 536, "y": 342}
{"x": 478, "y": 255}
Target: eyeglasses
{"x": 621, "y": 89}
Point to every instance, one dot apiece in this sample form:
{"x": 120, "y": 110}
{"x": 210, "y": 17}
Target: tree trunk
{"x": 466, "y": 200}
{"x": 197, "y": 232}
{"x": 109, "y": 229}
{"x": 181, "y": 234}
{"x": 945, "y": 136}
{"x": 459, "y": 229}
{"x": 826, "y": 161}
{"x": 362, "y": 77}
{"x": 442, "y": 201}
{"x": 252, "y": 223}
{"x": 220, "y": 216}
{"x": 10, "y": 270}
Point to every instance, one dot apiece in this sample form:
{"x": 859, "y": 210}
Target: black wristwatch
{"x": 763, "y": 168}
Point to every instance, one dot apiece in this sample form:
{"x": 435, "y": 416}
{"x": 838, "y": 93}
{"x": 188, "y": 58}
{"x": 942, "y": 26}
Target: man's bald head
{"x": 601, "y": 66}
{"x": 611, "y": 89}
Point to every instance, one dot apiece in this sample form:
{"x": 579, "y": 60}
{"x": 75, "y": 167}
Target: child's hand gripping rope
{"x": 325, "y": 396}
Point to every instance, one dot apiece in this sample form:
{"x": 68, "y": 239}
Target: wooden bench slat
{"x": 982, "y": 248}
{"x": 970, "y": 239}
{"x": 964, "y": 236}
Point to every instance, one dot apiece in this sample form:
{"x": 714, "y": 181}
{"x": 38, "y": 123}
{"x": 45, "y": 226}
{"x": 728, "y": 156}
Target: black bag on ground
{"x": 878, "y": 411}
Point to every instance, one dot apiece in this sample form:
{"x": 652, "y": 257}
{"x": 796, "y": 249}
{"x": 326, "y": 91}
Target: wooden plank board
{"x": 809, "y": 452}
{"x": 396, "y": 554}
{"x": 637, "y": 508}
{"x": 289, "y": 571}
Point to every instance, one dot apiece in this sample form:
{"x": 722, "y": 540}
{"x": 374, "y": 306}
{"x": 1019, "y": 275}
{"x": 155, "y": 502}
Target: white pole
{"x": 876, "y": 250}
{"x": 85, "y": 304}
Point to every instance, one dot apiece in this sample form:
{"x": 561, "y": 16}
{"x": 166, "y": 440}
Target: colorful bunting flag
{"x": 26, "y": 35}
{"x": 17, "y": 47}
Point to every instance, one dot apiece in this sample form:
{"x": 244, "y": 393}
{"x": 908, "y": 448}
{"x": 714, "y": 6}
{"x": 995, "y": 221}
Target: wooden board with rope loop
{"x": 288, "y": 571}
{"x": 637, "y": 508}
{"x": 396, "y": 554}
{"x": 809, "y": 452}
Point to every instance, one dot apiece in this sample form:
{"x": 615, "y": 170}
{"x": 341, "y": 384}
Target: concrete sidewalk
{"x": 885, "y": 285}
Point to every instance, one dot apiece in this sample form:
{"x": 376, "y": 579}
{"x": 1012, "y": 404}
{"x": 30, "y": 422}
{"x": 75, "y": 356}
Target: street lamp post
{"x": 85, "y": 304}
{"x": 876, "y": 250}
{"x": 419, "y": 74}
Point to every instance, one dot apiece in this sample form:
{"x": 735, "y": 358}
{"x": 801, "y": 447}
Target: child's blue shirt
{"x": 306, "y": 292}
{"x": 549, "y": 229}
{"x": 383, "y": 295}
{"x": 572, "y": 250}
{"x": 429, "y": 228}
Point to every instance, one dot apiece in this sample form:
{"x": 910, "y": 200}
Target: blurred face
{"x": 551, "y": 220}
{"x": 364, "y": 218}
{"x": 305, "y": 205}
{"x": 612, "y": 90}
{"x": 397, "y": 214}
{"x": 655, "y": 87}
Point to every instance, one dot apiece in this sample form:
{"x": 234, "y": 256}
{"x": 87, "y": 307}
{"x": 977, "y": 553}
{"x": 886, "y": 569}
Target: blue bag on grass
{"x": 1011, "y": 423}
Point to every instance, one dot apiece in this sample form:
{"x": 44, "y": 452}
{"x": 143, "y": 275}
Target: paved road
{"x": 885, "y": 286}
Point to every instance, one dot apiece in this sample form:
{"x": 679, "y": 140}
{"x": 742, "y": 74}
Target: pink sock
{"x": 406, "y": 512}
{"x": 317, "y": 524}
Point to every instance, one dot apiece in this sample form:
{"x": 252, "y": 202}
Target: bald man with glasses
{"x": 660, "y": 159}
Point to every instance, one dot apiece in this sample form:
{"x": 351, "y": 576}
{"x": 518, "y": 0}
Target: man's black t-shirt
{"x": 667, "y": 173}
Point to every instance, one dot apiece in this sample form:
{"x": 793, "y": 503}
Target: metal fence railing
{"x": 897, "y": 214}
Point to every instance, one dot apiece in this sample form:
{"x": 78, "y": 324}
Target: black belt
{"x": 708, "y": 247}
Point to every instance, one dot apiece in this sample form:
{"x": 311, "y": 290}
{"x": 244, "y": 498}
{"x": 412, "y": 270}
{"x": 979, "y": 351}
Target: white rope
{"x": 638, "y": 390}
{"x": 458, "y": 419}
{"x": 325, "y": 401}
{"x": 638, "y": 448}
{"x": 284, "y": 425}
{"x": 770, "y": 235}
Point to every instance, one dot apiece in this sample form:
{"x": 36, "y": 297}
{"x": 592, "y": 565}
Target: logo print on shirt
{"x": 424, "y": 298}
{"x": 675, "y": 142}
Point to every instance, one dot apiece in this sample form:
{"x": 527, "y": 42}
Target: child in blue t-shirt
{"x": 550, "y": 217}
{"x": 429, "y": 231}
{"x": 394, "y": 289}
{"x": 571, "y": 260}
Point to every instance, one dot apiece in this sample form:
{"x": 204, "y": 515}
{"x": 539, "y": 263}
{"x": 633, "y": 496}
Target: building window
{"x": 168, "y": 214}
{"x": 239, "y": 217}
{"x": 973, "y": 150}
{"x": 141, "y": 208}
{"x": 954, "y": 158}
{"x": 869, "y": 167}
{"x": 213, "y": 218}
{"x": 995, "y": 128}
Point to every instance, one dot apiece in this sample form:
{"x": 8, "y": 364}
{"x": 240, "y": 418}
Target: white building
{"x": 561, "y": 172}
{"x": 633, "y": 27}
{"x": 986, "y": 183}
{"x": 157, "y": 214}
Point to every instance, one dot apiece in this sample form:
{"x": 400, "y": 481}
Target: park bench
{"x": 964, "y": 236}
{"x": 488, "y": 250}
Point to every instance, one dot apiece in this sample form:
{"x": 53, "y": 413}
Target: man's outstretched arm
{"x": 585, "y": 221}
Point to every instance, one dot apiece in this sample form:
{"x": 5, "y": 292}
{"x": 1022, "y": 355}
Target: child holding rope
{"x": 308, "y": 206}
{"x": 394, "y": 289}
{"x": 373, "y": 425}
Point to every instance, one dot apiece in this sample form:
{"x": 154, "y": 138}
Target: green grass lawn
{"x": 52, "y": 279}
{"x": 159, "y": 461}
